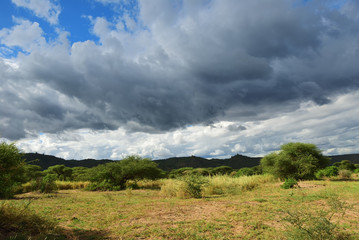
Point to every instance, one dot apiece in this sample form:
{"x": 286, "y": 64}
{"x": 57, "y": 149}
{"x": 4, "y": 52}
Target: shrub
{"x": 345, "y": 174}
{"x": 306, "y": 224}
{"x": 194, "y": 185}
{"x": 222, "y": 170}
{"x": 246, "y": 171}
{"x": 61, "y": 171}
{"x": 11, "y": 169}
{"x": 330, "y": 171}
{"x": 295, "y": 160}
{"x": 116, "y": 174}
{"x": 345, "y": 165}
{"x": 289, "y": 183}
{"x": 48, "y": 184}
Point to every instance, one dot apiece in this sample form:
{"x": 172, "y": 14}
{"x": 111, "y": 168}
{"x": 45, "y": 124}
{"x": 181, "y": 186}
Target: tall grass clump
{"x": 65, "y": 185}
{"x": 17, "y": 221}
{"x": 226, "y": 185}
{"x": 345, "y": 174}
{"x": 185, "y": 187}
{"x": 173, "y": 188}
{"x": 145, "y": 184}
{"x": 195, "y": 186}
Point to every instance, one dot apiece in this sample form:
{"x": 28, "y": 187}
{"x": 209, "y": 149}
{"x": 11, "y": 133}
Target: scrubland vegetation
{"x": 292, "y": 194}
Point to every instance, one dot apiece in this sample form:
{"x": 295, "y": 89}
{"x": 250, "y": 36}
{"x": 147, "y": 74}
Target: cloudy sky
{"x": 163, "y": 78}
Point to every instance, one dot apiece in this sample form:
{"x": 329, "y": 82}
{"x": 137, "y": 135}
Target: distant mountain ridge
{"x": 236, "y": 162}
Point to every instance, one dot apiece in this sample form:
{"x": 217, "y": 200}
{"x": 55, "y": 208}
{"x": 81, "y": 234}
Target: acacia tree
{"x": 115, "y": 175}
{"x": 11, "y": 169}
{"x": 295, "y": 160}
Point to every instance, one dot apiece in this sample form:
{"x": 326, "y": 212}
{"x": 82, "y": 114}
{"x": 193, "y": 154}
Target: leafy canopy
{"x": 11, "y": 169}
{"x": 295, "y": 160}
{"x": 130, "y": 168}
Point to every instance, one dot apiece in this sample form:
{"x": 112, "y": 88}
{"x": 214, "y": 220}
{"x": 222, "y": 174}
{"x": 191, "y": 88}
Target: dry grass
{"x": 225, "y": 185}
{"x": 65, "y": 185}
{"x": 145, "y": 214}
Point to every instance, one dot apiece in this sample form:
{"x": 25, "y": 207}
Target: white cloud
{"x": 333, "y": 127}
{"x": 26, "y": 35}
{"x": 46, "y": 9}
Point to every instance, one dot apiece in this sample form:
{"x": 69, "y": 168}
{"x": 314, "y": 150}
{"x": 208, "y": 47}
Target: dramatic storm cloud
{"x": 163, "y": 78}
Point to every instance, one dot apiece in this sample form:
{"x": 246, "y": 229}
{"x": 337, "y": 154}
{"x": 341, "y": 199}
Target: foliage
{"x": 61, "y": 171}
{"x": 345, "y": 165}
{"x": 175, "y": 173}
{"x": 32, "y": 172}
{"x": 246, "y": 171}
{"x": 116, "y": 174}
{"x": 289, "y": 183}
{"x": 330, "y": 171}
{"x": 307, "y": 225}
{"x": 48, "y": 184}
{"x": 194, "y": 185}
{"x": 80, "y": 174}
{"x": 222, "y": 170}
{"x": 295, "y": 160}
{"x": 11, "y": 169}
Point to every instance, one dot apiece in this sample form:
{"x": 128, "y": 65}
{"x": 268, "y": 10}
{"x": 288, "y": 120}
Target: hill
{"x": 45, "y": 161}
{"x": 236, "y": 162}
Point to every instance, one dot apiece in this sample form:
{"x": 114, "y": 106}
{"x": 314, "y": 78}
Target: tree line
{"x": 299, "y": 161}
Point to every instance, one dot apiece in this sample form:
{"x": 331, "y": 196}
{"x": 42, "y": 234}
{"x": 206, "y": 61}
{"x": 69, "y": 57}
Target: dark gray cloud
{"x": 195, "y": 64}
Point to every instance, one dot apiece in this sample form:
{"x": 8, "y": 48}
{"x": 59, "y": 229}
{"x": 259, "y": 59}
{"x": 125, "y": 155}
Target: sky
{"x": 164, "y": 78}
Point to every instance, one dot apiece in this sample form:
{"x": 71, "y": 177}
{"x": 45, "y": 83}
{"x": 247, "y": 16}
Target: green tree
{"x": 32, "y": 172}
{"x": 222, "y": 170}
{"x": 61, "y": 171}
{"x": 80, "y": 174}
{"x": 330, "y": 171}
{"x": 345, "y": 165}
{"x": 295, "y": 160}
{"x": 116, "y": 174}
{"x": 11, "y": 169}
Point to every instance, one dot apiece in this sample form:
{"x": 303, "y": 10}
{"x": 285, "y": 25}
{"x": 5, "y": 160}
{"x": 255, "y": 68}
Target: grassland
{"x": 264, "y": 211}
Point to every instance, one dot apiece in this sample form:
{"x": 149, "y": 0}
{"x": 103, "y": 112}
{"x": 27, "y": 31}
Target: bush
{"x": 345, "y": 174}
{"x": 295, "y": 160}
{"x": 48, "y": 184}
{"x": 62, "y": 172}
{"x": 306, "y": 224}
{"x": 116, "y": 174}
{"x": 11, "y": 169}
{"x": 289, "y": 183}
{"x": 345, "y": 165}
{"x": 222, "y": 170}
{"x": 194, "y": 185}
{"x": 246, "y": 171}
{"x": 327, "y": 172}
